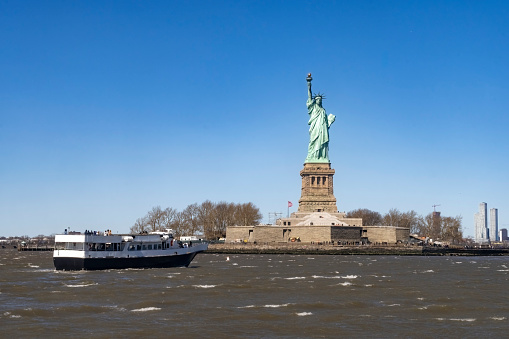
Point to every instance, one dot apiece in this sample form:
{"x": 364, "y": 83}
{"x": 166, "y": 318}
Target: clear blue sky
{"x": 108, "y": 108}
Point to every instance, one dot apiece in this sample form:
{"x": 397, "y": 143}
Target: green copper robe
{"x": 319, "y": 123}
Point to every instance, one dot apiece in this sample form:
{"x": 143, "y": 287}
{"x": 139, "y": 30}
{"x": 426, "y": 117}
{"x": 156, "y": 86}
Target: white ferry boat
{"x": 76, "y": 251}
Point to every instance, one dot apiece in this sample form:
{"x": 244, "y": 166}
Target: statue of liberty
{"x": 319, "y": 123}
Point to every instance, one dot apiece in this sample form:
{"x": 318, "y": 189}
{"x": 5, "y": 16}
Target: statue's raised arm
{"x": 310, "y": 94}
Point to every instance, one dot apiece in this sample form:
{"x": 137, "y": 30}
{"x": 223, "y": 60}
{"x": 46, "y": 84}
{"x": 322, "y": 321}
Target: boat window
{"x": 144, "y": 247}
{"x": 122, "y": 246}
{"x": 131, "y": 247}
{"x": 76, "y": 246}
{"x": 109, "y": 247}
{"x": 138, "y": 247}
{"x": 149, "y": 247}
{"x": 158, "y": 246}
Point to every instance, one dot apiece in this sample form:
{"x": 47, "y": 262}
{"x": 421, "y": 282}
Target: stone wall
{"x": 239, "y": 233}
{"x": 385, "y": 234}
{"x": 316, "y": 233}
{"x": 402, "y": 234}
{"x": 345, "y": 234}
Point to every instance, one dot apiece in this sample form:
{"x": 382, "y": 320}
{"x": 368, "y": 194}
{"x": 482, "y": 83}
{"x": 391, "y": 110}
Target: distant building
{"x": 503, "y": 235}
{"x": 481, "y": 224}
{"x": 493, "y": 224}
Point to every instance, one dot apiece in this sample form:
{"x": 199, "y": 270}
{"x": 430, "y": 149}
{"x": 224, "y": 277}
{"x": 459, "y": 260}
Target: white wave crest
{"x": 350, "y": 277}
{"x": 334, "y": 277}
{"x": 204, "y": 286}
{"x": 275, "y": 306}
{"x": 295, "y": 278}
{"x": 346, "y": 283}
{"x": 463, "y": 319}
{"x": 81, "y": 285}
{"x": 146, "y": 309}
{"x": 498, "y": 318}
{"x": 303, "y": 314}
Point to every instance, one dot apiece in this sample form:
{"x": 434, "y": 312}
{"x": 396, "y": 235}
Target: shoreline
{"x": 297, "y": 249}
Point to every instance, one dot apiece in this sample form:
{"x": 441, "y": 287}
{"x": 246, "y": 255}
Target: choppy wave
{"x": 334, "y": 277}
{"x": 463, "y": 319}
{"x": 295, "y": 278}
{"x": 146, "y": 309}
{"x": 81, "y": 285}
{"x": 457, "y": 319}
{"x": 303, "y": 314}
{"x": 498, "y": 318}
{"x": 204, "y": 286}
{"x": 266, "y": 306}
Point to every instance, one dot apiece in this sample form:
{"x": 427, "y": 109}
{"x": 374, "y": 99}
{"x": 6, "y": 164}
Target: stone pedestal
{"x": 317, "y": 193}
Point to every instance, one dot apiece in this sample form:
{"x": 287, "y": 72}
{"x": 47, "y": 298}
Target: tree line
{"x": 207, "y": 218}
{"x": 432, "y": 225}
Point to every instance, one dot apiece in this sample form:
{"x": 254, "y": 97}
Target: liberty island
{"x": 318, "y": 219}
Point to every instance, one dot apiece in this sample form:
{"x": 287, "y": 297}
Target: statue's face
{"x": 319, "y": 100}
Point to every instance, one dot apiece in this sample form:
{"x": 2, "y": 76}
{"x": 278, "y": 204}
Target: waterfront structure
{"x": 493, "y": 224}
{"x": 481, "y": 224}
{"x": 318, "y": 219}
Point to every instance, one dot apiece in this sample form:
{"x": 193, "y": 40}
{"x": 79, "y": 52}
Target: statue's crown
{"x": 321, "y": 95}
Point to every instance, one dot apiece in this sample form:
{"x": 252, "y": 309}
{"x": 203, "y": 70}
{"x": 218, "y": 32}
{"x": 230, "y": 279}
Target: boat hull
{"x": 76, "y": 264}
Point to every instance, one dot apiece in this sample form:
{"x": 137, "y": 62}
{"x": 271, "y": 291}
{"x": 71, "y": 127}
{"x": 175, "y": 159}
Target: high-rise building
{"x": 503, "y": 235}
{"x": 481, "y": 224}
{"x": 493, "y": 224}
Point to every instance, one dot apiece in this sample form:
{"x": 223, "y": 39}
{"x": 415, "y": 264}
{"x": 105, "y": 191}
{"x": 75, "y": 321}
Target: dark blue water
{"x": 259, "y": 296}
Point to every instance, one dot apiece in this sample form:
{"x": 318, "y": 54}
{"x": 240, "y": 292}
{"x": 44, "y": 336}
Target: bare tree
{"x": 177, "y": 224}
{"x": 410, "y": 220}
{"x": 392, "y": 218}
{"x": 206, "y": 217}
{"x": 247, "y": 214}
{"x": 442, "y": 228}
{"x": 155, "y": 219}
{"x": 139, "y": 226}
{"x": 369, "y": 218}
{"x": 209, "y": 218}
{"x": 170, "y": 214}
{"x": 191, "y": 219}
{"x": 224, "y": 217}
{"x": 451, "y": 229}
